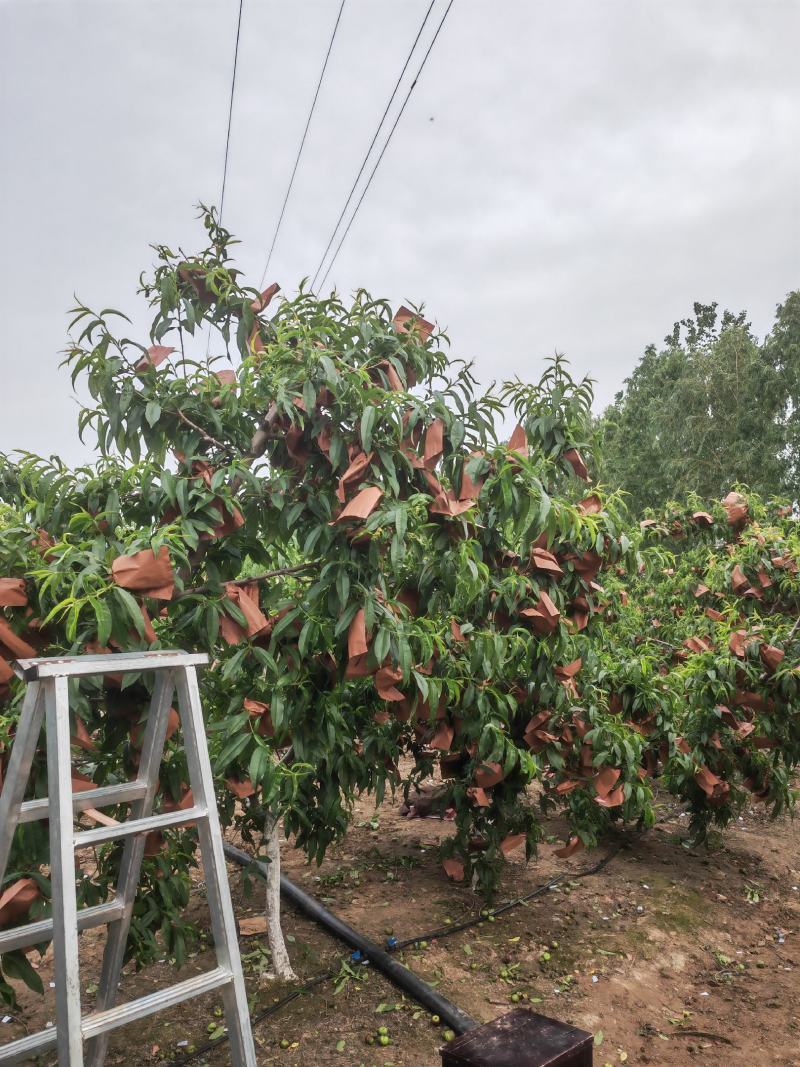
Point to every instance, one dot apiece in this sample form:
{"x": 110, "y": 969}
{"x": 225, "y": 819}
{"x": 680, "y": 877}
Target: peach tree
{"x": 315, "y": 493}
{"x": 700, "y": 654}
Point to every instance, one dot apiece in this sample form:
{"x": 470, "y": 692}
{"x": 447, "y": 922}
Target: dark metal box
{"x": 521, "y": 1038}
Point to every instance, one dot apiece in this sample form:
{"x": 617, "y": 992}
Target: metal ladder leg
{"x": 62, "y": 873}
{"x": 19, "y": 768}
{"x": 234, "y": 994}
{"x": 131, "y": 862}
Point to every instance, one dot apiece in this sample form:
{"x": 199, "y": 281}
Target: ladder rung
{"x": 100, "y": 1021}
{"x": 24, "y": 1047}
{"x": 138, "y": 826}
{"x": 37, "y": 933}
{"x": 32, "y": 810}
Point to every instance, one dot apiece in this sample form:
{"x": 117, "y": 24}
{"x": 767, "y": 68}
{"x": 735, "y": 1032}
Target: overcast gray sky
{"x": 567, "y": 176}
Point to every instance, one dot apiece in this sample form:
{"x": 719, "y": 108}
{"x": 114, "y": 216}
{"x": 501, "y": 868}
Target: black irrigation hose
{"x": 378, "y": 957}
{"x": 244, "y": 860}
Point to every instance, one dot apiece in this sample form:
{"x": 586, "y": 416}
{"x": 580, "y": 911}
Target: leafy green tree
{"x": 701, "y": 654}
{"x": 704, "y": 412}
{"x": 782, "y": 349}
{"x": 375, "y": 575}
{"x": 386, "y": 591}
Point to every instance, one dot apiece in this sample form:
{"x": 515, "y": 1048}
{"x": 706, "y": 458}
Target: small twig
{"x": 704, "y": 1033}
{"x": 666, "y": 644}
{"x": 280, "y": 572}
{"x": 794, "y": 629}
{"x": 199, "y": 429}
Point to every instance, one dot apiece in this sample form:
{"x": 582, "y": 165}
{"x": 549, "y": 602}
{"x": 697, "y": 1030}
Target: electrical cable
{"x": 227, "y": 140}
{"x": 388, "y": 139}
{"x": 302, "y": 143}
{"x": 239, "y": 857}
{"x": 230, "y": 111}
{"x": 372, "y": 144}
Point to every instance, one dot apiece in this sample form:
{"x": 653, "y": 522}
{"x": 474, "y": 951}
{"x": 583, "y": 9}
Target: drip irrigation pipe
{"x": 501, "y": 909}
{"x": 392, "y": 945}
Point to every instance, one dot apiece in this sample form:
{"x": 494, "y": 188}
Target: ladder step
{"x": 37, "y": 933}
{"x": 33, "y": 810}
{"x": 163, "y": 821}
{"x": 24, "y": 1048}
{"x": 32, "y": 670}
{"x": 101, "y": 1021}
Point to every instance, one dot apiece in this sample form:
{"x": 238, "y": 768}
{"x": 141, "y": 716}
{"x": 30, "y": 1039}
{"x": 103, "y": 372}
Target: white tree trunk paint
{"x": 281, "y": 965}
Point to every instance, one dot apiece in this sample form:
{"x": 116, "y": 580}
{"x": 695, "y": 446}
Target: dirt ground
{"x": 669, "y": 956}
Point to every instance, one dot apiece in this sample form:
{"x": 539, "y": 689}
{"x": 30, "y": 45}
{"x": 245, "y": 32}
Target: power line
{"x": 302, "y": 142}
{"x": 388, "y": 139}
{"x": 228, "y": 133}
{"x": 372, "y": 144}
{"x": 230, "y": 111}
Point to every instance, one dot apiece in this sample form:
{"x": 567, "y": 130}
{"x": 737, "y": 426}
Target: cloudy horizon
{"x": 564, "y": 179}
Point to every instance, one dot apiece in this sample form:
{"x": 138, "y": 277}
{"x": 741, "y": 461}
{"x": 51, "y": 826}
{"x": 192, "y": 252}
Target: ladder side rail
{"x": 223, "y": 924}
{"x": 19, "y": 768}
{"x": 130, "y": 865}
{"x": 62, "y": 874}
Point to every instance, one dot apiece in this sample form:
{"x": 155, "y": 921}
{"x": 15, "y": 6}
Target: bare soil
{"x": 669, "y": 956}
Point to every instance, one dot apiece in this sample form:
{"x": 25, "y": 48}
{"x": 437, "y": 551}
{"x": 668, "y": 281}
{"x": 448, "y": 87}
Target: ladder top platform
{"x": 32, "y": 670}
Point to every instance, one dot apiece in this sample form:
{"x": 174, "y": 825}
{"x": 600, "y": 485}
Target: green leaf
{"x": 367, "y": 422}
{"x": 16, "y": 965}
{"x": 234, "y": 747}
{"x": 104, "y": 620}
{"x": 259, "y": 761}
{"x": 212, "y": 624}
{"x": 380, "y": 646}
{"x": 132, "y": 609}
{"x": 152, "y": 412}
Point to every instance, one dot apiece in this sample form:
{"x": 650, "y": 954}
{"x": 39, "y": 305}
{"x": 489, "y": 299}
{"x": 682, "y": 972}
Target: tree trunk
{"x": 281, "y": 965}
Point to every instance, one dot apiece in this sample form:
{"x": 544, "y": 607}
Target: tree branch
{"x": 280, "y": 572}
{"x": 199, "y": 429}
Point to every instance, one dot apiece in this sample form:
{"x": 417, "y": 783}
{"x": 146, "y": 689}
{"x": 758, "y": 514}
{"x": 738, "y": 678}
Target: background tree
{"x": 782, "y": 348}
{"x": 712, "y": 408}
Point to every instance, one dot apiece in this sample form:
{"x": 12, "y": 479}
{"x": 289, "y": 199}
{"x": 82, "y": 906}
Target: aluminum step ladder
{"x": 47, "y": 697}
